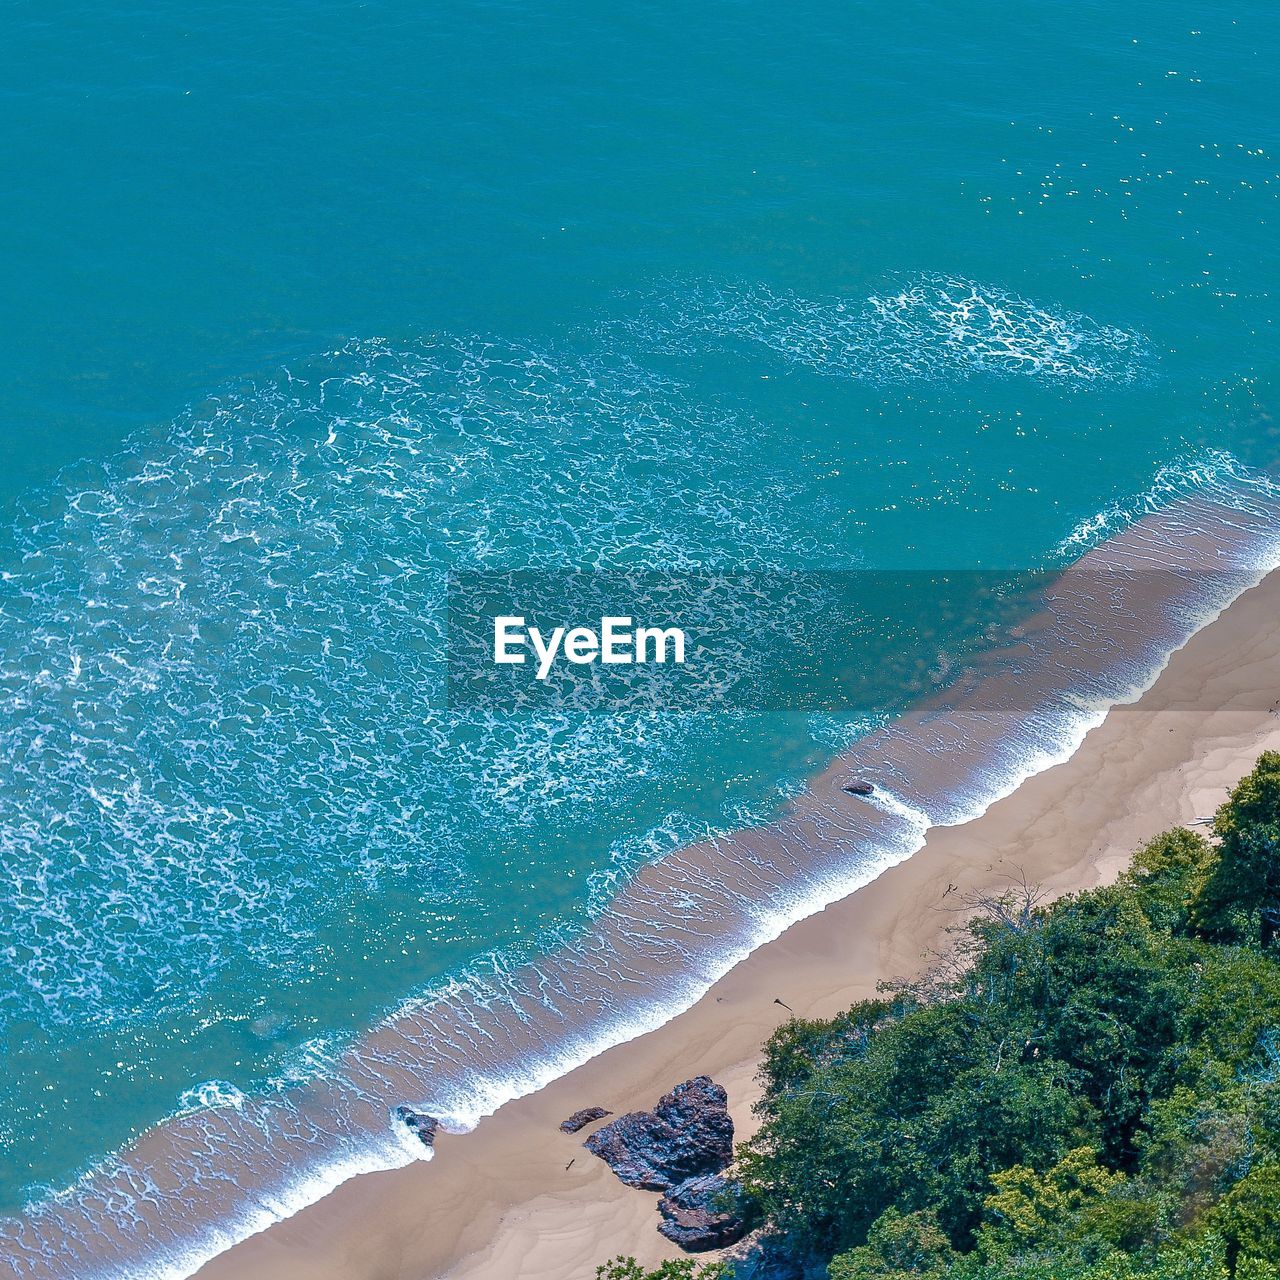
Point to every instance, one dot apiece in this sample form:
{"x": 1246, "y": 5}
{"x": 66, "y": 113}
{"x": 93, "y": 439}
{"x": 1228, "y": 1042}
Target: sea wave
{"x": 1203, "y": 473}
{"x": 927, "y": 328}
{"x": 683, "y": 921}
{"x": 251, "y": 608}
{"x": 209, "y": 578}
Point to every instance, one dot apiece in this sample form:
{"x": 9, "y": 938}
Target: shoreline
{"x": 499, "y": 1201}
{"x": 1094, "y": 648}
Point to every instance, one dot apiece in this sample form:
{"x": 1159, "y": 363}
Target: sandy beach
{"x": 516, "y": 1199}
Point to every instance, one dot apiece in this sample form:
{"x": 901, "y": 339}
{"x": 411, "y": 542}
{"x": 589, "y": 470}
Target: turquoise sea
{"x": 307, "y": 305}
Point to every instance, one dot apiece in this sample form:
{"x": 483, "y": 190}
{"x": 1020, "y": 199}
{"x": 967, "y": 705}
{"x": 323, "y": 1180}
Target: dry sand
{"x": 500, "y": 1203}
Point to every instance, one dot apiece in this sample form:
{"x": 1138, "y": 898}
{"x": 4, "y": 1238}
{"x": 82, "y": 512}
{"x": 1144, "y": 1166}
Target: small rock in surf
{"x": 418, "y": 1123}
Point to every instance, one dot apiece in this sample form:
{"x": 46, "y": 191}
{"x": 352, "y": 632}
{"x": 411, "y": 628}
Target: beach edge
{"x": 500, "y": 1201}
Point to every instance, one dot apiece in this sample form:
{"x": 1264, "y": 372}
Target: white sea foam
{"x": 1206, "y": 473}
{"x": 210, "y": 1095}
{"x": 223, "y": 620}
{"x": 210, "y": 742}
{"x": 1031, "y": 745}
{"x": 929, "y": 328}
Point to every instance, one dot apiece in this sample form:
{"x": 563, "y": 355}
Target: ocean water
{"x": 308, "y": 306}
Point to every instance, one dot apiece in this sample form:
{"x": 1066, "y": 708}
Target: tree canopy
{"x": 1088, "y": 1090}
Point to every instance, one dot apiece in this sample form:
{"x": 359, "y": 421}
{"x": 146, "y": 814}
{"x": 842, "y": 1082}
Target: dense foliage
{"x": 684, "y": 1269}
{"x": 1088, "y": 1091}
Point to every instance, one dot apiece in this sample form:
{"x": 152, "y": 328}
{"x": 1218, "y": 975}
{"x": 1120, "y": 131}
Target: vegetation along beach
{"x": 638, "y": 641}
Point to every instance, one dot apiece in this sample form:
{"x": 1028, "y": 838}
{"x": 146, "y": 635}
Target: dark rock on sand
{"x": 580, "y": 1119}
{"x": 687, "y": 1134}
{"x": 419, "y": 1123}
{"x": 634, "y": 1146}
{"x": 859, "y": 788}
{"x": 700, "y": 1214}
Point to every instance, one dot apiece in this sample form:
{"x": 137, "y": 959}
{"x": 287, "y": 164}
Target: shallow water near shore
{"x": 257, "y": 874}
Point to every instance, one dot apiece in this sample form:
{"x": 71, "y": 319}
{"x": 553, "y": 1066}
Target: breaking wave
{"x": 1208, "y": 474}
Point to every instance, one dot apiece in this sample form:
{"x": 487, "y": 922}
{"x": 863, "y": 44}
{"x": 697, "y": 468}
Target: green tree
{"x": 992, "y": 1117}
{"x": 900, "y": 1246}
{"x": 1196, "y": 1145}
{"x": 1249, "y": 1216}
{"x": 1165, "y": 873}
{"x": 828, "y": 1158}
{"x": 1029, "y": 1208}
{"x": 936, "y": 1100}
{"x": 1239, "y": 899}
{"x": 1231, "y": 1006}
{"x": 624, "y": 1268}
{"x": 1084, "y": 1091}
{"x": 1096, "y": 986}
{"x": 802, "y": 1047}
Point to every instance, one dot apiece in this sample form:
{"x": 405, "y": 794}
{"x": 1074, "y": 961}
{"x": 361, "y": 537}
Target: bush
{"x": 1239, "y": 899}
{"x": 1249, "y": 1216}
{"x": 898, "y": 1246}
{"x": 622, "y": 1268}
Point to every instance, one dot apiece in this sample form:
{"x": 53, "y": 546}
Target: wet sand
{"x": 500, "y": 1204}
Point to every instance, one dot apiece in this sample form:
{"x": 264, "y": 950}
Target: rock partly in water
{"x": 580, "y": 1119}
{"x": 859, "y": 788}
{"x": 699, "y": 1214}
{"x": 689, "y": 1133}
{"x": 419, "y": 1123}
